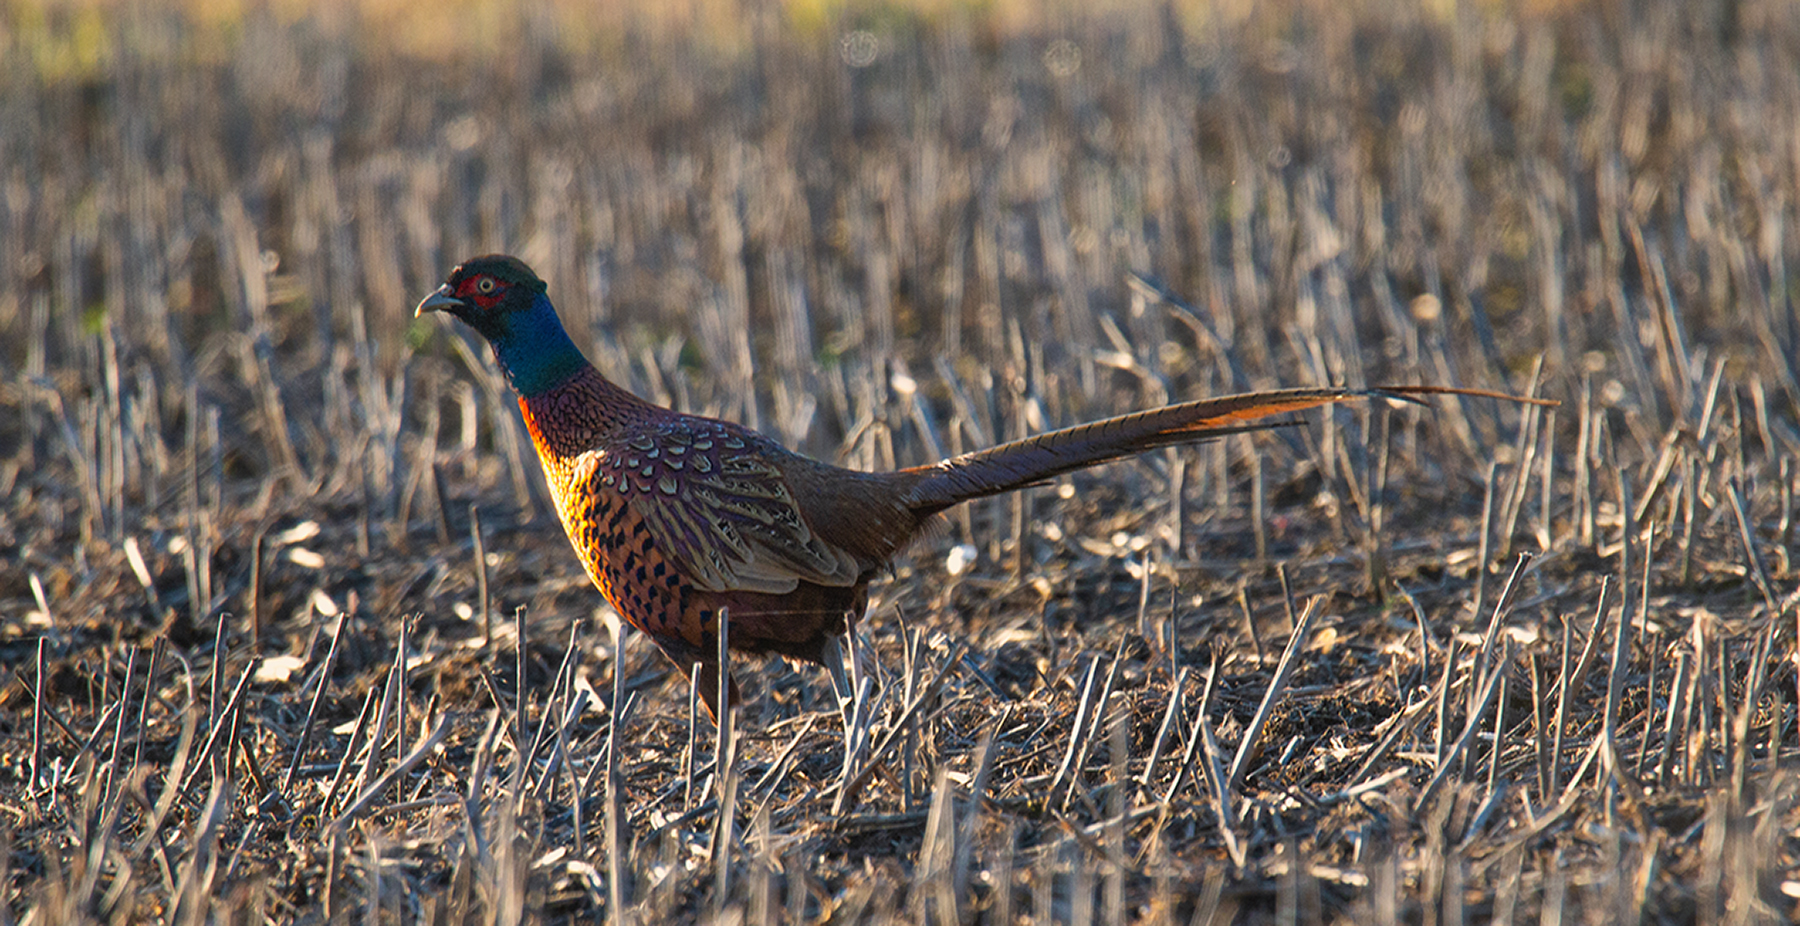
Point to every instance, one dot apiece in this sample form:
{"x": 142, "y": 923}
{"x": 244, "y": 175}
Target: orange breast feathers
{"x": 620, "y": 552}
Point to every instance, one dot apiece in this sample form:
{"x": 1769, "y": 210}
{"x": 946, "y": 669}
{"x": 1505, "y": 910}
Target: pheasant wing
{"x": 718, "y": 505}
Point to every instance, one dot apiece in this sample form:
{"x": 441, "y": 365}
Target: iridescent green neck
{"x": 535, "y": 352}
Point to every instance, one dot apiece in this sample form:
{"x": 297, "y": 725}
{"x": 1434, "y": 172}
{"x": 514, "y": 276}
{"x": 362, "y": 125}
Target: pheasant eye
{"x": 485, "y": 285}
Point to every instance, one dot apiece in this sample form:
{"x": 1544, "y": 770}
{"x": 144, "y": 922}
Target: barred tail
{"x": 1045, "y": 456}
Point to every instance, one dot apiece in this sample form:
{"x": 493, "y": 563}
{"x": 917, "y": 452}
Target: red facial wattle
{"x": 471, "y": 290}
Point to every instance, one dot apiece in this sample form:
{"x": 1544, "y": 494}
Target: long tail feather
{"x": 1045, "y": 456}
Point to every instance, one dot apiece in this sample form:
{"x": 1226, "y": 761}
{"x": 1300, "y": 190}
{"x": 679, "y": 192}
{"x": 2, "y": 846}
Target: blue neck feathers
{"x": 535, "y": 352}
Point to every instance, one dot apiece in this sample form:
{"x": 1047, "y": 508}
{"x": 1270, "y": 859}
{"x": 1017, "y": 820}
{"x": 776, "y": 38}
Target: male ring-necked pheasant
{"x": 678, "y": 516}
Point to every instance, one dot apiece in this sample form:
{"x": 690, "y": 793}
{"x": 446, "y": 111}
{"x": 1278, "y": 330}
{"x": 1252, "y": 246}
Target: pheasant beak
{"x": 440, "y": 300}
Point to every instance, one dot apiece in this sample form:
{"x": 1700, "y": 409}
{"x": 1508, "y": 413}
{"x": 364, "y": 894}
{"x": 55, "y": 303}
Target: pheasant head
{"x": 506, "y": 303}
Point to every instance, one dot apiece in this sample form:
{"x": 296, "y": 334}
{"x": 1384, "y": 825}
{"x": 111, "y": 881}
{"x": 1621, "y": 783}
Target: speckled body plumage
{"x": 676, "y": 516}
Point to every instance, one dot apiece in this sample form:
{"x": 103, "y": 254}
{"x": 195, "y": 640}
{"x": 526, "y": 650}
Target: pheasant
{"x": 678, "y": 517}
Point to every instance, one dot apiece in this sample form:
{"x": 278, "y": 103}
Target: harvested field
{"x": 290, "y": 632}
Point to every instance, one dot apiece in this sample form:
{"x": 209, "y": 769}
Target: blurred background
{"x": 800, "y": 200}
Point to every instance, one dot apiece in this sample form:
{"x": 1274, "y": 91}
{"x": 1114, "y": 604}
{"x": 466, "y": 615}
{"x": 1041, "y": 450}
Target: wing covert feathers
{"x": 736, "y": 526}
